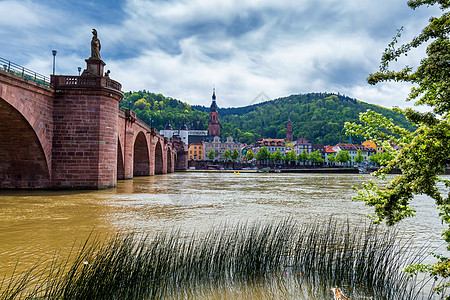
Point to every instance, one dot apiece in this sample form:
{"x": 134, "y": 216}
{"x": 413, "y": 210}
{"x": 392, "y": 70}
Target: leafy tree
{"x": 290, "y": 156}
{"x": 276, "y": 156}
{"x": 424, "y": 153}
{"x": 343, "y": 157}
{"x": 234, "y": 155}
{"x": 381, "y": 159}
{"x": 249, "y": 155}
{"x": 226, "y": 154}
{"x": 263, "y": 154}
{"x": 303, "y": 157}
{"x": 289, "y": 144}
{"x": 211, "y": 154}
{"x": 316, "y": 157}
{"x": 332, "y": 158}
{"x": 359, "y": 158}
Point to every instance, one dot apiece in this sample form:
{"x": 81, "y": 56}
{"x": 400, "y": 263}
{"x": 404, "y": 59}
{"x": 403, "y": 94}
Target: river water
{"x": 34, "y": 225}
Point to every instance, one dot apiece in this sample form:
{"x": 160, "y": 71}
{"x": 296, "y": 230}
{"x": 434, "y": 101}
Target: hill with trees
{"x": 156, "y": 110}
{"x": 318, "y": 117}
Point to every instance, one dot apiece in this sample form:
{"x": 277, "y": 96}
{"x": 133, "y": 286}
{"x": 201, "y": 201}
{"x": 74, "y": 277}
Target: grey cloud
{"x": 181, "y": 47}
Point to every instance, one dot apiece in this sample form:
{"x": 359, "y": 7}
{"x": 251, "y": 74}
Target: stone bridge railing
{"x": 62, "y": 81}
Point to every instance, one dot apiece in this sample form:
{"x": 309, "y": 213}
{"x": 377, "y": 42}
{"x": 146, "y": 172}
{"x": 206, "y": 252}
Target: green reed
{"x": 306, "y": 260}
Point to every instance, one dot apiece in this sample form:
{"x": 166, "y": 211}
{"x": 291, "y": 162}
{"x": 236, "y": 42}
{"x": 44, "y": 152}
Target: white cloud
{"x": 180, "y": 48}
{"x": 21, "y": 15}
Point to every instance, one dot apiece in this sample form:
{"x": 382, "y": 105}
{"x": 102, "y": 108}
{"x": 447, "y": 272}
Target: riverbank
{"x": 302, "y": 171}
{"x": 312, "y": 170}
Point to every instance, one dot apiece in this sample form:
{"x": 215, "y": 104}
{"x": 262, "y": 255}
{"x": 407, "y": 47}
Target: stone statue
{"x": 95, "y": 46}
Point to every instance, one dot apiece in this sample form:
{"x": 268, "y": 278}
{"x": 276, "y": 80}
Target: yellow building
{"x": 195, "y": 151}
{"x": 370, "y": 144}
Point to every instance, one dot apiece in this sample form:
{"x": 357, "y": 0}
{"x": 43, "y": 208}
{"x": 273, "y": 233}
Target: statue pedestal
{"x": 94, "y": 67}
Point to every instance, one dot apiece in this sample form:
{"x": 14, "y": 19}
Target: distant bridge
{"x": 71, "y": 134}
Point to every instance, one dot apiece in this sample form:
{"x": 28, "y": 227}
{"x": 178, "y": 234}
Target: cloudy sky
{"x": 182, "y": 48}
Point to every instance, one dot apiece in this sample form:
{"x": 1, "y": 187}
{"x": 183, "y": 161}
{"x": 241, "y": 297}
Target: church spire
{"x": 214, "y": 107}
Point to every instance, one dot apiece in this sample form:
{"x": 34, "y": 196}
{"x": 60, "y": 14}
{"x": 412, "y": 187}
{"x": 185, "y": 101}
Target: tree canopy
{"x": 211, "y": 154}
{"x": 156, "y": 110}
{"x": 424, "y": 153}
{"x": 317, "y": 117}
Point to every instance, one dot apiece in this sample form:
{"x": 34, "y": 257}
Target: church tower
{"x": 289, "y": 136}
{"x": 214, "y": 127}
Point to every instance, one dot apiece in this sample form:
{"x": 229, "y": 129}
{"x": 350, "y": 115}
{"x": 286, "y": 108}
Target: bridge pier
{"x": 85, "y": 137}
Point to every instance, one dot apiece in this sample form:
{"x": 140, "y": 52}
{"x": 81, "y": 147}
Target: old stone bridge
{"x": 73, "y": 135}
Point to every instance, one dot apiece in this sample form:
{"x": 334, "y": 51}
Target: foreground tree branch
{"x": 424, "y": 153}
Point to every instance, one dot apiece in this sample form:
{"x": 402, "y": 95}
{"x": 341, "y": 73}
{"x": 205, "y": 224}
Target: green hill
{"x": 156, "y": 110}
{"x": 318, "y": 117}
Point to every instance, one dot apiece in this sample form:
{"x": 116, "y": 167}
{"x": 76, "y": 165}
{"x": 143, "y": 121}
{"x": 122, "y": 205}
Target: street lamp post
{"x": 54, "y": 55}
{"x": 79, "y": 71}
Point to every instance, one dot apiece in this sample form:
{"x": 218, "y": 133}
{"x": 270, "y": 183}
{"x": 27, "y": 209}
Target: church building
{"x": 213, "y": 124}
{"x": 289, "y": 135}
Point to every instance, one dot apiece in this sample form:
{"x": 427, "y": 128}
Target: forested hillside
{"x": 318, "y": 117}
{"x": 156, "y": 110}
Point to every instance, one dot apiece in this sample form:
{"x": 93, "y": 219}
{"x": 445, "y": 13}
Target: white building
{"x": 219, "y": 147}
{"x": 301, "y": 145}
{"x": 353, "y": 150}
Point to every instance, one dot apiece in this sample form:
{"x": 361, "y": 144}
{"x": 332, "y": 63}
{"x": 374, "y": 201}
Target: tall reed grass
{"x": 285, "y": 258}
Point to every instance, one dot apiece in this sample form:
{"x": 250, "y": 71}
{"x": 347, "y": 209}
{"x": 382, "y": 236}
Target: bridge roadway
{"x": 74, "y": 136}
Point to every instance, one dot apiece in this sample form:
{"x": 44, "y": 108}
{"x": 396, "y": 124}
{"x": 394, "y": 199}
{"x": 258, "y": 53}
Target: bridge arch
{"x": 141, "y": 156}
{"x": 169, "y": 160}
{"x": 120, "y": 163}
{"x": 24, "y": 161}
{"x": 159, "y": 158}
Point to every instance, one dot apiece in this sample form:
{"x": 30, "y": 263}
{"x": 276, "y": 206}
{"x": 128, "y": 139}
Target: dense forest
{"x": 318, "y": 117}
{"x": 156, "y": 110}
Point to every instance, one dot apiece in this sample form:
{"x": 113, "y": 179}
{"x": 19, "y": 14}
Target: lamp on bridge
{"x": 79, "y": 71}
{"x": 54, "y": 55}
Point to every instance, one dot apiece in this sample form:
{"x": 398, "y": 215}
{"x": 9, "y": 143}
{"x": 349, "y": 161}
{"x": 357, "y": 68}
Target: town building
{"x": 371, "y": 144}
{"x": 200, "y": 142}
{"x": 273, "y": 145}
{"x": 168, "y": 131}
{"x": 353, "y": 150}
{"x": 196, "y": 151}
{"x": 302, "y": 145}
{"x": 328, "y": 152}
{"x": 220, "y": 145}
{"x": 170, "y": 134}
{"x": 366, "y": 151}
{"x": 350, "y": 148}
